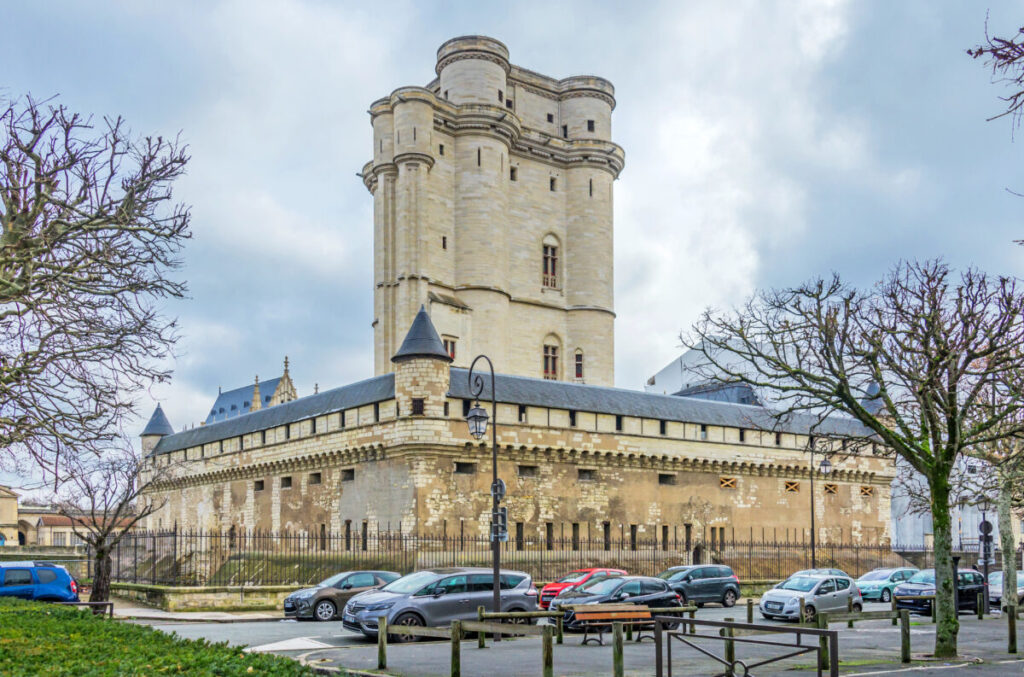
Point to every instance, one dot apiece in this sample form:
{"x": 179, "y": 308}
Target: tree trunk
{"x": 947, "y": 622}
{"x": 1006, "y": 541}
{"x": 101, "y": 576}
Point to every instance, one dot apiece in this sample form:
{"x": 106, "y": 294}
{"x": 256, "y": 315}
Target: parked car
{"x": 436, "y": 597}
{"x": 878, "y": 584}
{"x": 969, "y": 584}
{"x": 574, "y": 579}
{"x": 821, "y": 572}
{"x": 653, "y": 592}
{"x": 324, "y": 600}
{"x": 703, "y": 583}
{"x": 40, "y": 581}
{"x": 995, "y": 588}
{"x": 820, "y": 593}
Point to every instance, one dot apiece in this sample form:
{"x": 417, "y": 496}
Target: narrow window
{"x": 520, "y": 536}
{"x": 376, "y": 412}
{"x": 551, "y": 362}
{"x": 551, "y": 184}
{"x": 575, "y": 535}
{"x": 527, "y": 471}
{"x": 591, "y": 188}
{"x": 444, "y": 242}
{"x": 778, "y": 439}
{"x": 551, "y": 117}
{"x": 263, "y": 437}
{"x": 726, "y": 482}
{"x": 501, "y": 95}
{"x": 449, "y": 347}
{"x": 618, "y": 422}
{"x": 579, "y": 364}
{"x": 466, "y": 405}
{"x": 417, "y": 406}
{"x": 663, "y": 427}
{"x": 508, "y": 103}
{"x": 241, "y": 443}
{"x": 586, "y": 475}
{"x": 446, "y": 94}
{"x": 477, "y": 157}
{"x": 342, "y": 421}
{"x": 550, "y": 267}
{"x": 549, "y": 535}
{"x": 464, "y": 468}
{"x": 565, "y": 131}
{"x": 632, "y": 536}
{"x": 522, "y": 413}
{"x": 348, "y": 474}
{"x": 743, "y": 435}
{"x": 607, "y": 529}
{"x": 440, "y": 149}
{"x": 572, "y": 419}
{"x": 382, "y": 145}
{"x": 792, "y": 487}
{"x": 513, "y": 174}
{"x": 446, "y": 409}
{"x": 590, "y": 125}
{"x": 666, "y": 478}
{"x": 414, "y": 133}
{"x": 398, "y": 137}
{"x": 703, "y": 431}
{"x": 316, "y": 478}
{"x": 220, "y": 447}
{"x": 312, "y": 426}
{"x": 286, "y": 482}
{"x": 257, "y": 485}
{"x": 287, "y": 431}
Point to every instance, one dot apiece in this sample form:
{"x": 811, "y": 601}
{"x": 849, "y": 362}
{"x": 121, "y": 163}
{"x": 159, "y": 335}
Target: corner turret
{"x": 157, "y": 428}
{"x": 421, "y": 370}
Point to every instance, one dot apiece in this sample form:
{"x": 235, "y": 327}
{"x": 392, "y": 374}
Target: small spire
{"x": 285, "y": 365}
{"x": 316, "y": 388}
{"x": 219, "y": 391}
{"x": 256, "y": 404}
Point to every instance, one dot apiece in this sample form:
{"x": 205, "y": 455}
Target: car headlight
{"x": 791, "y": 601}
{"x": 380, "y": 606}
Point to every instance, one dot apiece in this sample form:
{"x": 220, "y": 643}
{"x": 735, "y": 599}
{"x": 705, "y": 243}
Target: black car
{"x": 969, "y": 584}
{"x": 652, "y": 592}
{"x": 703, "y": 583}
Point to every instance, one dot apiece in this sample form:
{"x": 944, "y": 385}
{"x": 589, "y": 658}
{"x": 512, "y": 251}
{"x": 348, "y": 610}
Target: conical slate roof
{"x": 158, "y": 424}
{"x": 421, "y": 341}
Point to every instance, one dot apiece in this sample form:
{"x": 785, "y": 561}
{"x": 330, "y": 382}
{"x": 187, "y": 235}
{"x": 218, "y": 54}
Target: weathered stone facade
{"x": 473, "y": 176}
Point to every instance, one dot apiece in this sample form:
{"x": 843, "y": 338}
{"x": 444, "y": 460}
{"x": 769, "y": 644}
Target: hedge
{"x": 43, "y": 639}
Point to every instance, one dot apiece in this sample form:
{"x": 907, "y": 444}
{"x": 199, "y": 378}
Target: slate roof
{"x": 158, "y": 424}
{"x": 421, "y": 341}
{"x": 238, "y": 401}
{"x": 371, "y": 390}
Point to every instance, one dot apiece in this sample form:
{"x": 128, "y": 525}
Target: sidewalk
{"x": 128, "y": 609}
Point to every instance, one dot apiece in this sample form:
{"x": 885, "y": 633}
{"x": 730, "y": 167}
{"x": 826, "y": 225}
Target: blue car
{"x": 40, "y": 581}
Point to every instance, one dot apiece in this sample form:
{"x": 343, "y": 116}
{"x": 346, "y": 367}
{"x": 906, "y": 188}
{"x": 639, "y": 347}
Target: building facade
{"x": 492, "y": 199}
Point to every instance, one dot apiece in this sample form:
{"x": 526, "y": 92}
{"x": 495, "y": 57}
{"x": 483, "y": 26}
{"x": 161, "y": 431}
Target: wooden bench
{"x": 599, "y": 617}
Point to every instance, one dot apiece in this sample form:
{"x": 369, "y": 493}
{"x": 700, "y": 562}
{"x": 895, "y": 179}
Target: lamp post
{"x": 477, "y": 420}
{"x": 985, "y": 535}
{"x": 825, "y": 468}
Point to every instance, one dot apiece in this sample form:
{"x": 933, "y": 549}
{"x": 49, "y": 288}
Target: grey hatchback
{"x": 436, "y": 597}
{"x": 703, "y": 583}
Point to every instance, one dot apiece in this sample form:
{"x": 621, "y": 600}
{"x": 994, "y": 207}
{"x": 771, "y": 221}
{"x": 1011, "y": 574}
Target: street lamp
{"x": 477, "y": 421}
{"x": 986, "y": 545}
{"x": 825, "y": 468}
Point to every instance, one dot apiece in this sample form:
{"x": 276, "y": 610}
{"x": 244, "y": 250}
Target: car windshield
{"x": 926, "y": 576}
{"x": 673, "y": 574}
{"x": 574, "y": 577}
{"x": 333, "y": 580}
{"x": 604, "y": 586}
{"x": 412, "y": 583}
{"x": 800, "y": 583}
{"x": 878, "y": 575}
{"x": 996, "y": 578}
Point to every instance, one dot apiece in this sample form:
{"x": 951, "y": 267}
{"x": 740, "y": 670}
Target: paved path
{"x": 126, "y": 608}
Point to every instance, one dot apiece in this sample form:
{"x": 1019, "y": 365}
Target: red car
{"x": 573, "y": 579}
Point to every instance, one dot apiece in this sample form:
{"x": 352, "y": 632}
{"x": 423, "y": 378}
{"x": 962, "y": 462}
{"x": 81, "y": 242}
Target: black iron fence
{"x": 236, "y": 557}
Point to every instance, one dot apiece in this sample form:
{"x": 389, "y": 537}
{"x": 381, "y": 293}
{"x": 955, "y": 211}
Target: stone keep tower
{"x": 492, "y": 193}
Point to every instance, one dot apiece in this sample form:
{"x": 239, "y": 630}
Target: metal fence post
{"x": 382, "y": 643}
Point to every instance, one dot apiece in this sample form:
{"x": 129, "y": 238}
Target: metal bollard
{"x": 382, "y": 643}
{"x": 456, "y": 648}
{"x": 750, "y": 611}
{"x": 730, "y": 649}
{"x": 904, "y": 636}
{"x": 618, "y": 667}
{"x": 547, "y": 652}
{"x": 1011, "y": 620}
{"x": 481, "y": 636}
{"x": 981, "y": 606}
{"x": 693, "y": 628}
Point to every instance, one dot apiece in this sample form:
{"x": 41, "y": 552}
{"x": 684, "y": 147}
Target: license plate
{"x": 775, "y": 606}
{"x": 350, "y": 618}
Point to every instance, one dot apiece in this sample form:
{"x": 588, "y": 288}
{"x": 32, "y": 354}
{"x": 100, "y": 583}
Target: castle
{"x": 492, "y": 191}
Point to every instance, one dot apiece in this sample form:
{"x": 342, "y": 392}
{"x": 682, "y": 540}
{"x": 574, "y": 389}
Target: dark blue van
{"x": 41, "y": 581}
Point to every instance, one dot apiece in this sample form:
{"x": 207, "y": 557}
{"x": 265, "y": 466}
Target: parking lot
{"x": 870, "y": 648}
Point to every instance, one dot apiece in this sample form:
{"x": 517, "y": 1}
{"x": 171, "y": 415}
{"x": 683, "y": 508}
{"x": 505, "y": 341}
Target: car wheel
{"x": 407, "y": 620}
{"x": 324, "y": 610}
{"x": 809, "y": 614}
{"x": 728, "y": 599}
{"x": 682, "y": 599}
{"x": 886, "y": 596}
{"x": 699, "y": 605}
{"x": 857, "y": 608}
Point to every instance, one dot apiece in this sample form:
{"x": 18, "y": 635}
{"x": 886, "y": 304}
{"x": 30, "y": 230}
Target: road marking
{"x": 295, "y": 644}
{"x": 915, "y": 669}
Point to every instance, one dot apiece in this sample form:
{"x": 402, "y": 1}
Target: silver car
{"x": 436, "y": 597}
{"x": 820, "y": 593}
{"x": 995, "y": 587}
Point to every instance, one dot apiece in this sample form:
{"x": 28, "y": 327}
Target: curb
{"x": 135, "y": 617}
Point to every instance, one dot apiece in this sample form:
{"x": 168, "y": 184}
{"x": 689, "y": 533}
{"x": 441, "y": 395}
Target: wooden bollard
{"x": 904, "y": 636}
{"x": 981, "y": 606}
{"x": 935, "y": 603}
{"x": 618, "y": 667}
{"x": 629, "y": 632}
{"x": 547, "y": 654}
{"x": 803, "y": 606}
{"x": 823, "y": 642}
{"x": 849, "y": 610}
{"x": 730, "y": 649}
{"x": 382, "y": 643}
{"x": 456, "y": 648}
{"x": 1011, "y": 619}
{"x": 750, "y": 611}
{"x": 558, "y": 629}
{"x": 481, "y": 636}
{"x": 892, "y": 600}
{"x": 693, "y": 628}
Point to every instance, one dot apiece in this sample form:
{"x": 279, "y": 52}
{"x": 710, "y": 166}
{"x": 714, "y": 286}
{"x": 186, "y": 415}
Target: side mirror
{"x": 623, "y": 595}
{"x": 346, "y": 586}
{"x": 687, "y": 579}
{"x": 440, "y": 592}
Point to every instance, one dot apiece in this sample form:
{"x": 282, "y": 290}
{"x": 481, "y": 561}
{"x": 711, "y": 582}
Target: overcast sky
{"x": 765, "y": 143}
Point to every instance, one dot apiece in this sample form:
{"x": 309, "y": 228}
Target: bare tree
{"x": 88, "y": 237}
{"x": 1006, "y": 58}
{"x": 105, "y": 497}
{"x": 932, "y": 343}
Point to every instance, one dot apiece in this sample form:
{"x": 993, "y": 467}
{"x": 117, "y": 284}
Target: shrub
{"x": 45, "y": 639}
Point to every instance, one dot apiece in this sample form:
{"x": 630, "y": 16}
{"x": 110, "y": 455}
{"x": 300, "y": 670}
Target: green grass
{"x": 44, "y": 639}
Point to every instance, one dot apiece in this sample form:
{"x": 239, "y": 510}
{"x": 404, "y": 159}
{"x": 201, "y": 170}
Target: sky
{"x": 766, "y": 143}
